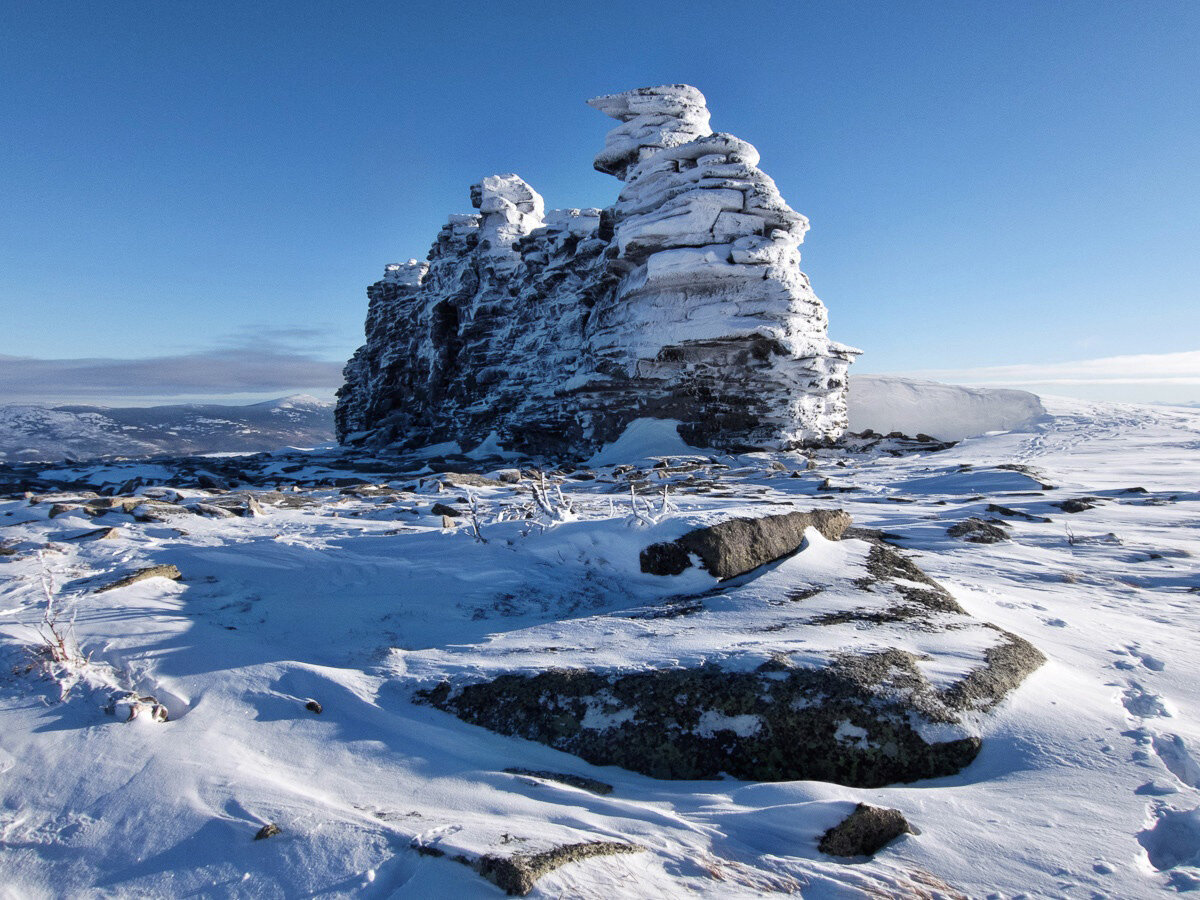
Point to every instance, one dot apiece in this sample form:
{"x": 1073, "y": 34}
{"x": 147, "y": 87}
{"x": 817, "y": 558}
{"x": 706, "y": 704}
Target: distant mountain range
{"x": 51, "y": 433}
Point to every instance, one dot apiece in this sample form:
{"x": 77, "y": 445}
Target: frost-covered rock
{"x": 551, "y": 331}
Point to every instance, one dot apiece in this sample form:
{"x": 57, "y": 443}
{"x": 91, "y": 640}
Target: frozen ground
{"x": 1087, "y": 784}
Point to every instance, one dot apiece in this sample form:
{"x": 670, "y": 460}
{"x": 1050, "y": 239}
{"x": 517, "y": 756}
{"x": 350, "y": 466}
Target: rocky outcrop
{"x": 844, "y": 663}
{"x": 550, "y": 331}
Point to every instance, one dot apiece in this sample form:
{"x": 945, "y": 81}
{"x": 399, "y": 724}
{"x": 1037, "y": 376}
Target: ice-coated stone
{"x": 550, "y": 331}
{"x": 653, "y": 118}
{"x": 511, "y": 209}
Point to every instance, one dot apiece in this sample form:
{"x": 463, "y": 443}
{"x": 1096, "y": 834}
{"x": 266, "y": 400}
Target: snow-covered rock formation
{"x": 551, "y": 331}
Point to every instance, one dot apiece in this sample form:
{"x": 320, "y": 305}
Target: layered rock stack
{"x": 548, "y": 332}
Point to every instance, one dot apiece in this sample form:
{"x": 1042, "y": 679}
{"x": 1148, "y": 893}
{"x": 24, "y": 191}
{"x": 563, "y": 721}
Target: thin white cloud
{"x": 215, "y": 374}
{"x": 1145, "y": 369}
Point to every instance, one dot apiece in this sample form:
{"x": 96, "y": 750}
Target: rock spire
{"x": 550, "y": 331}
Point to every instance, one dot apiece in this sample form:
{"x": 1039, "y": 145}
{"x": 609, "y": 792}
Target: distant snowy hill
{"x": 35, "y": 433}
{"x": 949, "y": 412}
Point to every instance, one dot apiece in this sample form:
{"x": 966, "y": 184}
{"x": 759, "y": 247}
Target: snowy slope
{"x": 1087, "y": 784}
{"x": 35, "y": 433}
{"x": 948, "y": 412}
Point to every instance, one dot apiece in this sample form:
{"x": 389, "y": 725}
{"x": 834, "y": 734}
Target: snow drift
{"x": 949, "y": 412}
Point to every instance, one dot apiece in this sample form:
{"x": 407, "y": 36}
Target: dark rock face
{"x": 738, "y": 546}
{"x": 977, "y": 531}
{"x": 864, "y": 832}
{"x": 696, "y": 723}
{"x": 549, "y": 332}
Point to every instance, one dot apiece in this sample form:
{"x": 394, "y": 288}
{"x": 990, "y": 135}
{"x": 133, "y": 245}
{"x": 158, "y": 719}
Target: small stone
{"x": 441, "y": 509}
{"x": 864, "y": 832}
{"x": 314, "y": 707}
{"x": 163, "y": 571}
{"x": 448, "y": 522}
{"x": 128, "y": 705}
{"x": 267, "y": 831}
{"x": 977, "y": 531}
{"x": 1076, "y": 504}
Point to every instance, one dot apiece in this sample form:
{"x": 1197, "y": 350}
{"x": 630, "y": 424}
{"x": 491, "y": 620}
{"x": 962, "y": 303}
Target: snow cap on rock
{"x": 653, "y": 118}
{"x": 408, "y": 274}
{"x": 511, "y": 209}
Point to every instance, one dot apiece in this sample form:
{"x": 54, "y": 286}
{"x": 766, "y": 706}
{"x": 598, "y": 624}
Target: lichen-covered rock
{"x": 550, "y": 331}
{"x": 844, "y": 663}
{"x": 864, "y": 832}
{"x": 977, "y": 531}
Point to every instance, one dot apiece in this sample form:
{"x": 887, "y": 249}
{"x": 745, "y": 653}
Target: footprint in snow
{"x": 1142, "y": 703}
{"x": 1153, "y": 663}
{"x": 1174, "y": 838}
{"x": 1055, "y": 623}
{"x": 1175, "y": 755}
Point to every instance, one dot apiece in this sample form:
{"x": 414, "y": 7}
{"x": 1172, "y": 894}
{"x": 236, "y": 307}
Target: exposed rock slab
{"x": 844, "y": 662}
{"x": 163, "y": 571}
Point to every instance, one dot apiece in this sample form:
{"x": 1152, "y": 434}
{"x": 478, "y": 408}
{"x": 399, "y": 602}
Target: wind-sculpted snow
{"x": 551, "y": 331}
{"x": 948, "y": 412}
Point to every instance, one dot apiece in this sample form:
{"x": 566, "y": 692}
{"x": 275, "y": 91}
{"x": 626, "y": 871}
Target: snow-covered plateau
{"x": 294, "y": 669}
{"x": 33, "y": 433}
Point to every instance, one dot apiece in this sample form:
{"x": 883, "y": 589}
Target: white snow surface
{"x": 1086, "y": 785}
{"x": 644, "y": 439}
{"x": 948, "y": 412}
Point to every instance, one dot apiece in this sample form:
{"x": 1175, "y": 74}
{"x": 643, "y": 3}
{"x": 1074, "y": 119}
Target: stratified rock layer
{"x": 550, "y": 331}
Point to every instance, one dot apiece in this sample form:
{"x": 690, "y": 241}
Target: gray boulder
{"x": 864, "y": 832}
{"x": 738, "y": 546}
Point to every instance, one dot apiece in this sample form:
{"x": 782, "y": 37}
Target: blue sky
{"x": 1007, "y": 187}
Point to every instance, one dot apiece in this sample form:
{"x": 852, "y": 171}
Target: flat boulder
{"x": 741, "y": 545}
{"x": 843, "y": 663}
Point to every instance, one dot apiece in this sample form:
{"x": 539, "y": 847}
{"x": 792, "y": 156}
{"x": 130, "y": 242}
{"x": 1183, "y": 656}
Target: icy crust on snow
{"x": 555, "y": 329}
{"x": 948, "y": 412}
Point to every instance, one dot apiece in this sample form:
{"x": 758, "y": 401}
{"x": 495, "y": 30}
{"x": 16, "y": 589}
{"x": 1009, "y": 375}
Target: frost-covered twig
{"x": 647, "y": 517}
{"x": 476, "y": 524}
{"x": 554, "y": 506}
{"x": 58, "y": 650}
